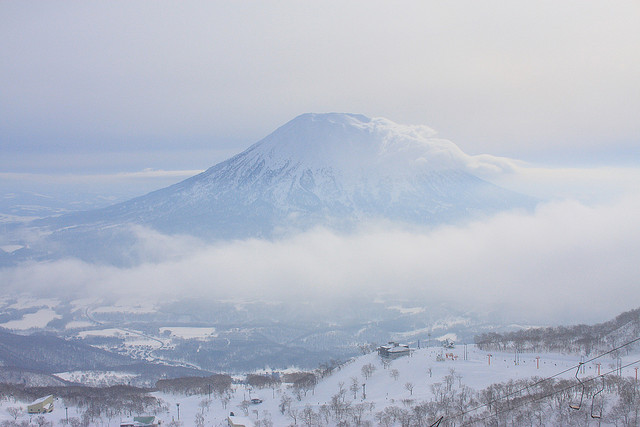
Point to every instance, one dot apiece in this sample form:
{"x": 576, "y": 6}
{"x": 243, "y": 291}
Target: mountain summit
{"x": 351, "y": 142}
{"x": 332, "y": 169}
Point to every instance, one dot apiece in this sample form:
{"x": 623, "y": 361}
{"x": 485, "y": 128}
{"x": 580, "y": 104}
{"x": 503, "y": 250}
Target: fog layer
{"x": 566, "y": 262}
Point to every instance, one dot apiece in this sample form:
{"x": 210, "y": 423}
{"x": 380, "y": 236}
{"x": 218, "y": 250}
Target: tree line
{"x": 585, "y": 339}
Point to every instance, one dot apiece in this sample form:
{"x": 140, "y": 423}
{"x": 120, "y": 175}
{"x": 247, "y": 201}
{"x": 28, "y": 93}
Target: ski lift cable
{"x": 561, "y": 372}
{"x": 437, "y": 423}
{"x": 544, "y": 396}
{"x": 549, "y": 394}
{"x": 544, "y": 380}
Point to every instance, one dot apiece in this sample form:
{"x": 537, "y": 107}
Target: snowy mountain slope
{"x": 413, "y": 390}
{"x": 465, "y": 384}
{"x": 318, "y": 169}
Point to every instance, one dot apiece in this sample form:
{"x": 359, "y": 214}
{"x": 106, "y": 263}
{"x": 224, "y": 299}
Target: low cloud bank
{"x": 566, "y": 262}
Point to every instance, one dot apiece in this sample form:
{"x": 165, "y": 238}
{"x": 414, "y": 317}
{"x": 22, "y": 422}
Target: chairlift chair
{"x": 593, "y": 399}
{"x": 573, "y": 405}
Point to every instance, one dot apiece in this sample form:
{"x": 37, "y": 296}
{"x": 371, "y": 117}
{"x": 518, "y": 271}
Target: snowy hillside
{"x": 463, "y": 385}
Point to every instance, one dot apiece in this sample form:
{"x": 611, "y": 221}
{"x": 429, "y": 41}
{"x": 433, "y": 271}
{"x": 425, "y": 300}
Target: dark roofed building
{"x": 393, "y": 350}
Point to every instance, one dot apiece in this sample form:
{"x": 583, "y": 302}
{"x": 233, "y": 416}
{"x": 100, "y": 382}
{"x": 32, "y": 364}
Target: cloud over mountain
{"x": 333, "y": 170}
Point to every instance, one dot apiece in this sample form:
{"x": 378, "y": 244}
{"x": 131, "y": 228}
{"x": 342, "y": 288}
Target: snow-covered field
{"x": 134, "y": 343}
{"x": 405, "y": 381}
{"x": 79, "y": 324}
{"x": 198, "y": 333}
{"x": 126, "y": 306}
{"x": 97, "y": 378}
{"x": 28, "y": 302}
{"x": 39, "y": 319}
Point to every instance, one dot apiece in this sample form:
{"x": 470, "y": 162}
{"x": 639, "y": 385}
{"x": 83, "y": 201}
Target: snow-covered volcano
{"x": 335, "y": 170}
{"x": 354, "y": 146}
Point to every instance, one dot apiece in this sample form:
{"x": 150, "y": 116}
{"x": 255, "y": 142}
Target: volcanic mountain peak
{"x": 354, "y": 143}
{"x": 334, "y": 170}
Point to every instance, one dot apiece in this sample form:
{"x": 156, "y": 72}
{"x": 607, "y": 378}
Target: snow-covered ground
{"x": 24, "y": 301}
{"x": 413, "y": 380}
{"x": 39, "y": 319}
{"x": 97, "y": 378}
{"x": 9, "y": 248}
{"x": 79, "y": 324}
{"x": 198, "y": 333}
{"x": 126, "y": 306}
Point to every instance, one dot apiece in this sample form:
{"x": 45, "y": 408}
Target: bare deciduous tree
{"x": 285, "y": 403}
{"x": 204, "y": 404}
{"x": 41, "y": 421}
{"x": 309, "y": 417}
{"x": 409, "y": 386}
{"x": 225, "y": 401}
{"x": 355, "y": 386}
{"x": 366, "y": 348}
{"x": 244, "y": 406}
{"x": 14, "y": 412}
{"x": 199, "y": 421}
{"x": 368, "y": 370}
{"x": 385, "y": 363}
{"x": 293, "y": 414}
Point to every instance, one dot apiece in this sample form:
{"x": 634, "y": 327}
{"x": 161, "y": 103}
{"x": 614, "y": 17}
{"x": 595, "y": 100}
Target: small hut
{"x": 235, "y": 421}
{"x": 41, "y": 406}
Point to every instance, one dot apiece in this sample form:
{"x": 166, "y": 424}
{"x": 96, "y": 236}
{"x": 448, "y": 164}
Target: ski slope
{"x": 422, "y": 369}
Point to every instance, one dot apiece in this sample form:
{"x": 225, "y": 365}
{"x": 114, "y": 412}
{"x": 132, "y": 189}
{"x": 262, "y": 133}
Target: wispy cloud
{"x": 589, "y": 185}
{"x": 74, "y": 178}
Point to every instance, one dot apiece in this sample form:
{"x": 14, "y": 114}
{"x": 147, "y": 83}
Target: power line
{"x": 534, "y": 399}
{"x": 542, "y": 380}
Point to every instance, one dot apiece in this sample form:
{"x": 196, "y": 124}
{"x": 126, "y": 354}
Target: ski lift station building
{"x": 393, "y": 350}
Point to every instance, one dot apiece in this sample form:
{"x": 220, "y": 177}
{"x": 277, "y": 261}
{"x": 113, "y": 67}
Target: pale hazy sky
{"x": 99, "y": 87}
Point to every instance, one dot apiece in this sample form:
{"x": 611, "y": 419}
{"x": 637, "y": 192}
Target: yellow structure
{"x": 41, "y": 406}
